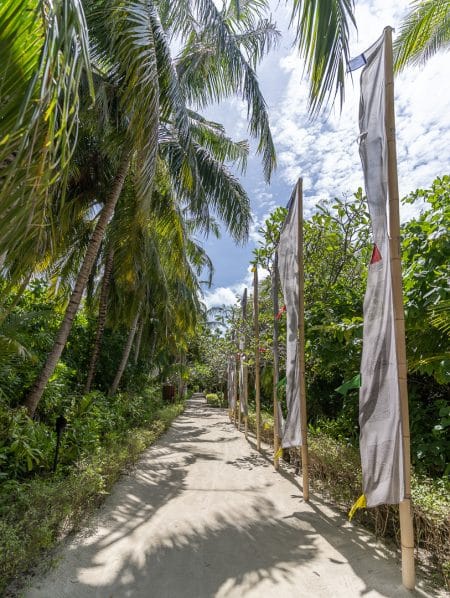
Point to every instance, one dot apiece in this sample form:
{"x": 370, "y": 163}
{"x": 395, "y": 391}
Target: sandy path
{"x": 204, "y": 515}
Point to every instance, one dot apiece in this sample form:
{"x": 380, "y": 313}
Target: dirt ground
{"x": 204, "y": 515}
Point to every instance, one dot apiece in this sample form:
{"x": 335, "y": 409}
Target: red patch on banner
{"x": 376, "y": 255}
{"x": 281, "y": 312}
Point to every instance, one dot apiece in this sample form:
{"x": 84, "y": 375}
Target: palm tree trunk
{"x": 102, "y": 311}
{"x": 125, "y": 356}
{"x": 35, "y": 394}
{"x": 137, "y": 348}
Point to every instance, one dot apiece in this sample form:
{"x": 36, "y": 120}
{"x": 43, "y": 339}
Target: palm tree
{"x": 132, "y": 61}
{"x": 126, "y": 353}
{"x": 151, "y": 257}
{"x": 128, "y": 242}
{"x": 424, "y": 32}
{"x": 101, "y": 320}
{"x": 132, "y": 40}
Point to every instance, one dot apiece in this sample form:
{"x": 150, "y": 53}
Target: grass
{"x": 35, "y": 514}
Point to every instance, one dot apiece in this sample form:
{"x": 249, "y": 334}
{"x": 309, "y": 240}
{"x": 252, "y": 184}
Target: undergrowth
{"x": 35, "y": 513}
{"x": 216, "y": 400}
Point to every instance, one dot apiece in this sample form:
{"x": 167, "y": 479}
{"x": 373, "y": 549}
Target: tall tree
{"x": 101, "y": 320}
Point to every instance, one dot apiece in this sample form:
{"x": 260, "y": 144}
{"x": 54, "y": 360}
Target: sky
{"x": 325, "y": 151}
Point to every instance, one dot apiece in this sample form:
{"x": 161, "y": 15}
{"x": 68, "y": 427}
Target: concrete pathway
{"x": 204, "y": 515}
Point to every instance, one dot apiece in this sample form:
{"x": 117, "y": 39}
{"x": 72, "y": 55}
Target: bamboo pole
{"x": 239, "y": 402}
{"x": 301, "y": 342}
{"x": 235, "y": 389}
{"x": 276, "y": 362}
{"x": 406, "y": 521}
{"x": 244, "y": 364}
{"x": 257, "y": 371}
{"x": 236, "y": 373}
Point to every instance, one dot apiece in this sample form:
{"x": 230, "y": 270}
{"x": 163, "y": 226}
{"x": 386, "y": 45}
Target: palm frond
{"x": 322, "y": 35}
{"x": 45, "y": 52}
{"x": 440, "y": 316}
{"x": 215, "y": 63}
{"x": 424, "y": 31}
{"x": 212, "y": 136}
{"x": 215, "y": 190}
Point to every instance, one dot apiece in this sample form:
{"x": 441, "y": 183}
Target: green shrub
{"x": 214, "y": 400}
{"x": 25, "y": 445}
{"x": 35, "y": 513}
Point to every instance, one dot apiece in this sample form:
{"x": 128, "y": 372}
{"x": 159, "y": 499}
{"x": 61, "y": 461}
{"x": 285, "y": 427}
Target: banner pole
{"x": 245, "y": 367}
{"x": 301, "y": 342}
{"x": 235, "y": 388}
{"x": 257, "y": 372}
{"x": 276, "y": 361}
{"x": 406, "y": 520}
{"x": 239, "y": 403}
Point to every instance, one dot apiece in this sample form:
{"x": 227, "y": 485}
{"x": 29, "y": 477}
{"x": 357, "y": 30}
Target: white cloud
{"x": 230, "y": 295}
{"x": 326, "y": 153}
{"x": 221, "y": 296}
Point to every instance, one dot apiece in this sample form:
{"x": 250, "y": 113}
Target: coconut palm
{"x": 155, "y": 258}
{"x": 134, "y": 71}
{"x": 226, "y": 197}
{"x": 424, "y": 31}
{"x": 132, "y": 44}
{"x": 101, "y": 320}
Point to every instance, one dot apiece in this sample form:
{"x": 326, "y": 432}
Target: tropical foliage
{"x": 111, "y": 176}
{"x": 337, "y": 249}
{"x": 424, "y": 31}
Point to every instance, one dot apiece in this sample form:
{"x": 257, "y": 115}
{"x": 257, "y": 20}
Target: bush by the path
{"x": 36, "y": 512}
{"x": 215, "y": 400}
{"x": 334, "y": 469}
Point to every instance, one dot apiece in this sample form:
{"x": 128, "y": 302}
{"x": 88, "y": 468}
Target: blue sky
{"x": 325, "y": 151}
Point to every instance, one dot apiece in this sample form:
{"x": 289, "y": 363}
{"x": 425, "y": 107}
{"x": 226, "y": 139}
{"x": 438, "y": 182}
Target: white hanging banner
{"x": 288, "y": 269}
{"x": 379, "y": 400}
{"x": 231, "y": 382}
{"x": 243, "y": 371}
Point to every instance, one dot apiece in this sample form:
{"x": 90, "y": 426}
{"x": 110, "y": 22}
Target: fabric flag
{"x": 231, "y": 383}
{"x": 379, "y": 401}
{"x": 288, "y": 269}
{"x": 243, "y": 366}
{"x": 276, "y": 359}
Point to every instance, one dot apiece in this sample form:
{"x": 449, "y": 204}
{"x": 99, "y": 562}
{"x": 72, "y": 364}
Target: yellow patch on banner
{"x": 359, "y": 504}
{"x": 278, "y": 454}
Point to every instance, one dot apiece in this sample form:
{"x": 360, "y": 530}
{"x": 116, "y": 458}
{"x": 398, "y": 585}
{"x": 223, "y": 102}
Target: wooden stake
{"x": 301, "y": 342}
{"x": 239, "y": 408}
{"x": 276, "y": 362}
{"x": 406, "y": 521}
{"x": 245, "y": 365}
{"x": 257, "y": 372}
{"x": 235, "y": 392}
